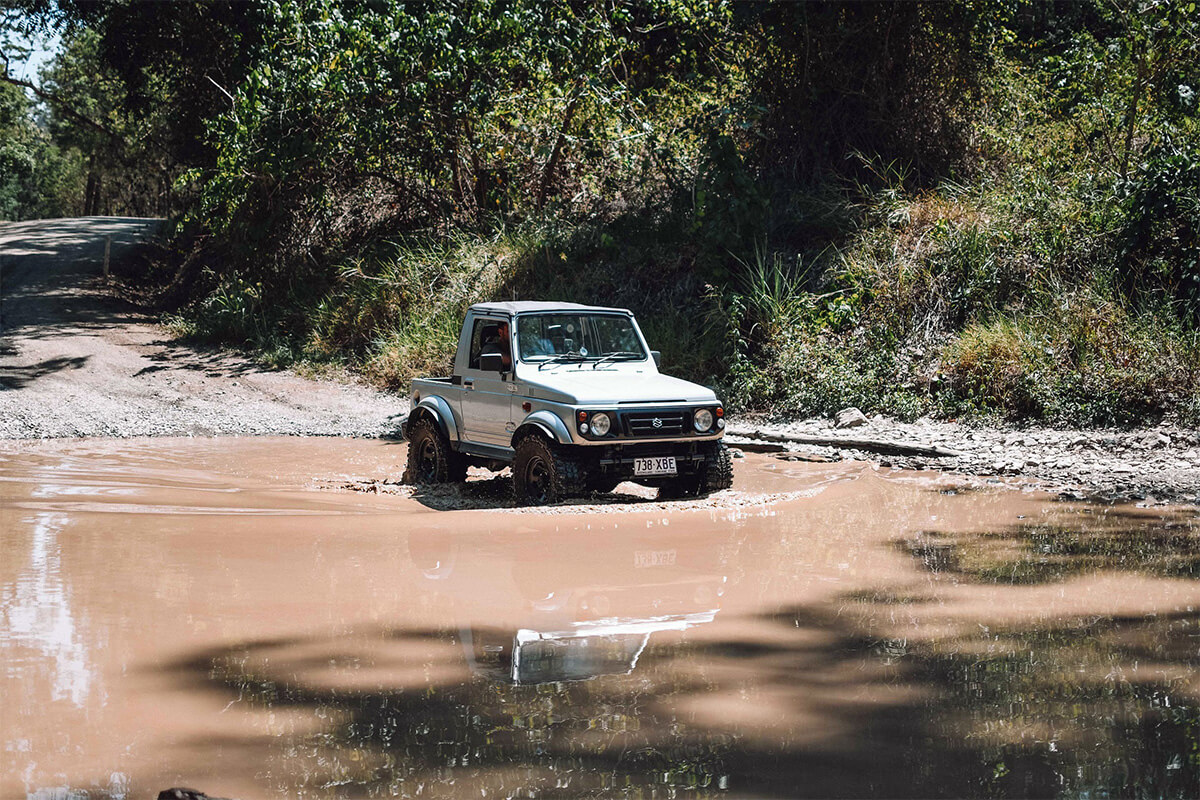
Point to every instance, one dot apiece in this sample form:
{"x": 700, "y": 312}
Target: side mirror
{"x": 657, "y": 356}
{"x": 491, "y": 362}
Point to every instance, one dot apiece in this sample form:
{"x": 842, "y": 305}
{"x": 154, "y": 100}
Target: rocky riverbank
{"x": 1154, "y": 465}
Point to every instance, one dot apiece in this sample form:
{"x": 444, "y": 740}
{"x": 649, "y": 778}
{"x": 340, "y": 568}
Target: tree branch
{"x": 61, "y": 105}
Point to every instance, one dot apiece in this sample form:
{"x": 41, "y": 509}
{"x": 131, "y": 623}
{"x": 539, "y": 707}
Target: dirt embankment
{"x": 75, "y": 361}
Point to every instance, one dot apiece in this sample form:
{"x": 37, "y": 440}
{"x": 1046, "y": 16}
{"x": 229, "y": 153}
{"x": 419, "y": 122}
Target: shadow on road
{"x": 50, "y": 273}
{"x": 18, "y": 377}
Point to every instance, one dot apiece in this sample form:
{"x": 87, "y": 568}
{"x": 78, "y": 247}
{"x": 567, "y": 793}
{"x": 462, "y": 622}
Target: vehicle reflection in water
{"x": 571, "y": 624}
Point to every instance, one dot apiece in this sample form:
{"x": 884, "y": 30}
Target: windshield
{"x": 546, "y": 336}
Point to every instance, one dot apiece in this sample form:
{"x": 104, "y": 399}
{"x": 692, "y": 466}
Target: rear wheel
{"x": 680, "y": 488}
{"x": 544, "y": 474}
{"x": 430, "y": 458}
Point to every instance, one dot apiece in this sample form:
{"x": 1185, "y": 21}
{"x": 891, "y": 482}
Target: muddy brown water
{"x": 218, "y": 613}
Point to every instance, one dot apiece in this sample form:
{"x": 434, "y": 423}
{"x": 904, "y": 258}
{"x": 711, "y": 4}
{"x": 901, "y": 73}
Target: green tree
{"x": 449, "y": 111}
{"x": 37, "y": 179}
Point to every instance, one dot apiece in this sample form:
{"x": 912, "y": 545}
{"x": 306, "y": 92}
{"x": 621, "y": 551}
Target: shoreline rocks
{"x": 1156, "y": 465}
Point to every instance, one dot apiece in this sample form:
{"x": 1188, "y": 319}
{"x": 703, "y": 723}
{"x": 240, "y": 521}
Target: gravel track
{"x": 75, "y": 361}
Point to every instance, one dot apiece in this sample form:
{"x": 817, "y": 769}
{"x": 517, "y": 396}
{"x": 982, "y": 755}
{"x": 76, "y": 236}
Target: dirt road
{"x": 74, "y": 361}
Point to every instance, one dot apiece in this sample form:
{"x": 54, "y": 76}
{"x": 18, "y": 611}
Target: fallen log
{"x": 868, "y": 445}
{"x": 760, "y": 447}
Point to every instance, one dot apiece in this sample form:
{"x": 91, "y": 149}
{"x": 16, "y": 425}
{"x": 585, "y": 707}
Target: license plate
{"x": 664, "y": 465}
{"x": 653, "y": 558}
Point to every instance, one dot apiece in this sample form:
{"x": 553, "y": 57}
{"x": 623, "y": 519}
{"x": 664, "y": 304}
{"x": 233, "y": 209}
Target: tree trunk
{"x": 1131, "y": 114}
{"x": 91, "y": 194}
{"x": 556, "y": 153}
{"x": 456, "y": 177}
{"x": 476, "y": 178}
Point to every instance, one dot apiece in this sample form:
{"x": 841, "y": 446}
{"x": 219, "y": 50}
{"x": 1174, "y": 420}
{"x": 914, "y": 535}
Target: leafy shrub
{"x": 1089, "y": 363}
{"x": 1161, "y": 234}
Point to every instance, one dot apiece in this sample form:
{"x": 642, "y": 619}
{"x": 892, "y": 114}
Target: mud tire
{"x": 544, "y": 474}
{"x": 718, "y": 469}
{"x": 714, "y": 475}
{"x": 430, "y": 458}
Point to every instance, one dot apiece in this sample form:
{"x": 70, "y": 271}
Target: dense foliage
{"x": 36, "y": 177}
{"x": 969, "y": 207}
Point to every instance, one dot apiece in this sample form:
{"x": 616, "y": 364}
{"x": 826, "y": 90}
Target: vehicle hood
{"x": 586, "y": 386}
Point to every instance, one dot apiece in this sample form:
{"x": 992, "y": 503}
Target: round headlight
{"x": 601, "y": 424}
{"x": 702, "y": 419}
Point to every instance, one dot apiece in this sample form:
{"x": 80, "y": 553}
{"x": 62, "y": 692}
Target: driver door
{"x": 486, "y": 397}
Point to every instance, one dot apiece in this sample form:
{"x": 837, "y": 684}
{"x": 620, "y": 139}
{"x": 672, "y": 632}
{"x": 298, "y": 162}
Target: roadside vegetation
{"x": 964, "y": 209}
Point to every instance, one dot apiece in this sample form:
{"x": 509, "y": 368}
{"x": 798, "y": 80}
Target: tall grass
{"x": 401, "y": 308}
{"x": 1089, "y": 361}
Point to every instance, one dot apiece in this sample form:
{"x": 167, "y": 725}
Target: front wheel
{"x": 543, "y": 474}
{"x": 715, "y": 474}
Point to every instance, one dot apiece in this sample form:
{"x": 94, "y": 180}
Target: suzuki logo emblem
{"x": 657, "y": 422}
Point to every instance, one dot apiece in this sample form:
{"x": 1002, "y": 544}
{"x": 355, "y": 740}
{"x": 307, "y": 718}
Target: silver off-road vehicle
{"x": 571, "y": 397}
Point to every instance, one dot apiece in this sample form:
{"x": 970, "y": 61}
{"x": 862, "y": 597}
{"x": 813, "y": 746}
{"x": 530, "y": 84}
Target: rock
{"x": 736, "y": 453}
{"x": 1154, "y": 440}
{"x": 181, "y": 793}
{"x": 850, "y": 418}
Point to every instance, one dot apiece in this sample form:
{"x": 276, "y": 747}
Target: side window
{"x": 485, "y": 338}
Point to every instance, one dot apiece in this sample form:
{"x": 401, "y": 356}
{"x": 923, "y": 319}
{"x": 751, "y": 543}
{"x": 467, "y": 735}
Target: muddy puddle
{"x": 240, "y": 616}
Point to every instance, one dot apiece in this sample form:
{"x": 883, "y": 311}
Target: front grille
{"x": 655, "y": 423}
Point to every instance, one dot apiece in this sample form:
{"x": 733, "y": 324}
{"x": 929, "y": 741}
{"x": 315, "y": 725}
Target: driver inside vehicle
{"x": 496, "y": 341}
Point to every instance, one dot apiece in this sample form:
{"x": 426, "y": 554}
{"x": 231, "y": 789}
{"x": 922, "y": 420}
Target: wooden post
{"x": 107, "y": 251}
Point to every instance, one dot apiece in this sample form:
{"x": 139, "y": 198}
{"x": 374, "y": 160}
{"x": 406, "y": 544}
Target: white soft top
{"x": 530, "y": 306}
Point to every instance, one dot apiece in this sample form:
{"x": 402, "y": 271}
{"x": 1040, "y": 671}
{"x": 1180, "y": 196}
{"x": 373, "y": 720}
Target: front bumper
{"x": 616, "y": 460}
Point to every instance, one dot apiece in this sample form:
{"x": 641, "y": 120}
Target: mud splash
{"x": 217, "y": 613}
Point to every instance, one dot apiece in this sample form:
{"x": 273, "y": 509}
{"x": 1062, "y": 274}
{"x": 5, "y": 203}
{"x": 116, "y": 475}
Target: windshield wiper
{"x": 619, "y": 356}
{"x": 572, "y": 357}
